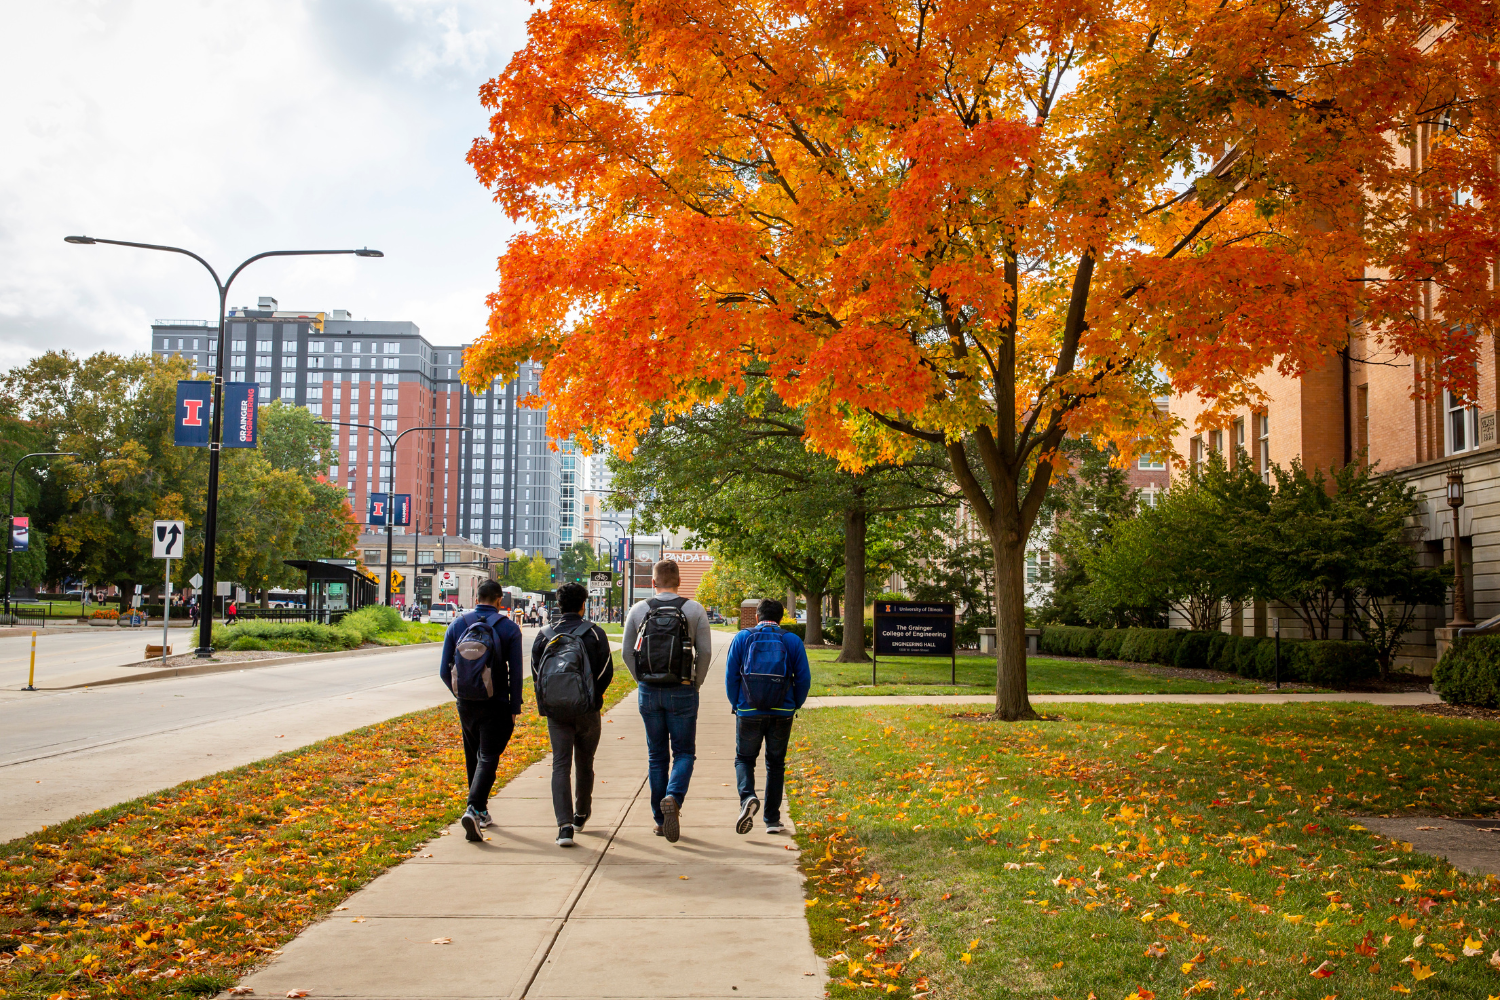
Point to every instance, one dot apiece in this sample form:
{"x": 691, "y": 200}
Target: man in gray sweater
{"x": 668, "y": 647}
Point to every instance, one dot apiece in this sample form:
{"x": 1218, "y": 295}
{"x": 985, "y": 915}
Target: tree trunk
{"x": 852, "y": 649}
{"x": 1011, "y": 701}
{"x": 833, "y": 606}
{"x": 265, "y": 597}
{"x": 814, "y": 619}
{"x": 791, "y": 603}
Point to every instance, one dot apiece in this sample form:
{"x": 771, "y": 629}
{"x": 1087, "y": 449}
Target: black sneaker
{"x": 471, "y": 824}
{"x": 669, "y": 827}
{"x": 748, "y": 809}
{"x": 565, "y": 836}
{"x": 578, "y": 820}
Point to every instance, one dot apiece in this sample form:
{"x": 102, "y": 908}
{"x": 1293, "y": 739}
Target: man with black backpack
{"x": 668, "y": 646}
{"x": 768, "y": 679}
{"x": 570, "y": 669}
{"x": 482, "y": 667}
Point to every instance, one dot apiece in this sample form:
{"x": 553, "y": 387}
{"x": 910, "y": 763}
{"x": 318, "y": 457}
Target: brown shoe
{"x": 669, "y": 827}
{"x": 656, "y": 829}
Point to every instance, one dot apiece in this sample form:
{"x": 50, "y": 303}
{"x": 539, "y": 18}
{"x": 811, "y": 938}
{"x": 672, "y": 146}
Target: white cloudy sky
{"x": 235, "y": 126}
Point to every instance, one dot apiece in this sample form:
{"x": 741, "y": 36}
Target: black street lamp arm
{"x": 10, "y": 542}
{"x": 211, "y": 512}
{"x": 390, "y": 492}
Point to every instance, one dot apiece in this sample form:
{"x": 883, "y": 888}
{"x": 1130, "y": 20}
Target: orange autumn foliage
{"x": 981, "y": 225}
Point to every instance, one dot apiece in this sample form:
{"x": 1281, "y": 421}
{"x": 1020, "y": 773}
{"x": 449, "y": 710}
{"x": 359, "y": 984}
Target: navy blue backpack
{"x": 474, "y": 657}
{"x": 766, "y": 673}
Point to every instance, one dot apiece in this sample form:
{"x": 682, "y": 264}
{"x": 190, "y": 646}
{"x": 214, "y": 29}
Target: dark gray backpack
{"x": 563, "y": 677}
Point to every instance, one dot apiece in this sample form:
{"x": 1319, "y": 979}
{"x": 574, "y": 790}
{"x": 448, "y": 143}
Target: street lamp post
{"x": 624, "y": 599}
{"x": 390, "y": 484}
{"x": 211, "y": 513}
{"x": 1460, "y": 595}
{"x": 10, "y": 542}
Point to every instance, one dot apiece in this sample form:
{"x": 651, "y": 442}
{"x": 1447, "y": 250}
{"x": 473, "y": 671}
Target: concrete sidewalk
{"x": 1270, "y": 698}
{"x": 622, "y": 915}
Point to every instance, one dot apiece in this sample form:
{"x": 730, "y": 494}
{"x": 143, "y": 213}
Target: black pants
{"x": 573, "y": 744}
{"x": 487, "y": 726}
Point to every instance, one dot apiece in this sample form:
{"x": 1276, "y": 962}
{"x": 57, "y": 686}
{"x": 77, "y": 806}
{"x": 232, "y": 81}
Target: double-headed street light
{"x": 390, "y": 484}
{"x": 211, "y": 514}
{"x": 11, "y": 544}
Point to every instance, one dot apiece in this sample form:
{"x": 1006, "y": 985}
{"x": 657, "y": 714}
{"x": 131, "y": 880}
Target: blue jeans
{"x": 671, "y": 717}
{"x": 749, "y": 732}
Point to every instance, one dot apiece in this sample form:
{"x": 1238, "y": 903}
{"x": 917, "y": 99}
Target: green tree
{"x": 261, "y": 513}
{"x": 737, "y": 475}
{"x": 1185, "y": 552}
{"x": 577, "y": 562}
{"x": 291, "y": 438}
{"x": 1084, "y": 509}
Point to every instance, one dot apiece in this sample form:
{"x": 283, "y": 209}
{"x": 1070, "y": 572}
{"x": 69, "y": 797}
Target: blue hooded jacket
{"x": 509, "y": 635}
{"x": 796, "y": 658}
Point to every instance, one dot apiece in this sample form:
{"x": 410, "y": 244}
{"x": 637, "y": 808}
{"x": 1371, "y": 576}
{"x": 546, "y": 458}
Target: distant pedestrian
{"x": 193, "y": 613}
{"x": 768, "y": 678}
{"x": 481, "y": 665}
{"x": 571, "y": 668}
{"x": 668, "y": 646}
{"x": 232, "y": 613}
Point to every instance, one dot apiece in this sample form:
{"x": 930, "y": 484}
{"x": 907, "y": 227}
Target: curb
{"x": 218, "y": 668}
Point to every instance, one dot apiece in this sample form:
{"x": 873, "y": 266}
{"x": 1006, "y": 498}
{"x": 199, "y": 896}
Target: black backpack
{"x": 664, "y": 647}
{"x": 564, "y": 677}
{"x": 474, "y": 658}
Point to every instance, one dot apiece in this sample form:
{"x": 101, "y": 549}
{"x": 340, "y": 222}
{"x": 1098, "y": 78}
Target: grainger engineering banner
{"x": 241, "y": 419}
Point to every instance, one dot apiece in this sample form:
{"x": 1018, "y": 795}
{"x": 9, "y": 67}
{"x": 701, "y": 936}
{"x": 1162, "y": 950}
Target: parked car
{"x": 443, "y": 612}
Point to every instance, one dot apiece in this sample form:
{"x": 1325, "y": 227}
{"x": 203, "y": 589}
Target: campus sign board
{"x": 914, "y": 628}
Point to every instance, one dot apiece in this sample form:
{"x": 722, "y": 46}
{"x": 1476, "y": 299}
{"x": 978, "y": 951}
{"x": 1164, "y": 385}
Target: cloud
{"x": 231, "y": 128}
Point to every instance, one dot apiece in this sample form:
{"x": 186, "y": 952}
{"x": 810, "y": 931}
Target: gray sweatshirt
{"x": 703, "y": 637}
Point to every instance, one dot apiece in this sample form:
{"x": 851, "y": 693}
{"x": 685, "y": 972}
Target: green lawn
{"x": 1168, "y": 851}
{"x": 931, "y": 675}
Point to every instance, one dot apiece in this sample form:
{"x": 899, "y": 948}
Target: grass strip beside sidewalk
{"x": 929, "y": 675}
{"x": 180, "y": 893}
{"x": 1137, "y": 851}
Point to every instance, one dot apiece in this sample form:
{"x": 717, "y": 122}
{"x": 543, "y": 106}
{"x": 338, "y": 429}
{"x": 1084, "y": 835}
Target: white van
{"x": 443, "y": 612}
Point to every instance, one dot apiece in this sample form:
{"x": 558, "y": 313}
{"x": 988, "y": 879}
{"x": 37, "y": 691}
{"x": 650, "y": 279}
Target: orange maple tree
{"x": 982, "y": 225}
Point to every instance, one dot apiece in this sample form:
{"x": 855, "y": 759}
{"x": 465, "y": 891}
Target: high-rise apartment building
{"x": 498, "y": 485}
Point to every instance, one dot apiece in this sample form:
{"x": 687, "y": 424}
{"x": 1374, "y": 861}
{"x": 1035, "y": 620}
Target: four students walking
{"x": 668, "y": 648}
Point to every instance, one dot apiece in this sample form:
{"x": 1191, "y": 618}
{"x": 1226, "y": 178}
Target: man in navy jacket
{"x": 773, "y": 725}
{"x": 487, "y": 724}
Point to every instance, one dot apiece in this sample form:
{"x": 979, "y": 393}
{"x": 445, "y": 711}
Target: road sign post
{"x": 915, "y": 628}
{"x": 166, "y": 543}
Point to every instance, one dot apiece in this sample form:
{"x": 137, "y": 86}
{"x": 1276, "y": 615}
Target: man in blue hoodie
{"x": 487, "y": 723}
{"x": 768, "y": 678}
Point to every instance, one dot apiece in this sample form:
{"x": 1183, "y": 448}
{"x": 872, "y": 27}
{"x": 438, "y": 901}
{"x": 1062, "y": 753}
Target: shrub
{"x": 1151, "y": 645}
{"x": 372, "y": 621}
{"x": 799, "y": 629}
{"x": 1333, "y": 662}
{"x": 1069, "y": 640}
{"x": 1192, "y": 650}
{"x": 1107, "y": 646}
{"x": 833, "y": 630}
{"x": 1469, "y": 673}
{"x": 246, "y": 642}
{"x": 1214, "y": 659}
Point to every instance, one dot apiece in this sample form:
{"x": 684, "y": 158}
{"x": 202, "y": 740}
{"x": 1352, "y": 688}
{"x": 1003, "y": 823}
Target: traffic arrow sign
{"x": 166, "y": 539}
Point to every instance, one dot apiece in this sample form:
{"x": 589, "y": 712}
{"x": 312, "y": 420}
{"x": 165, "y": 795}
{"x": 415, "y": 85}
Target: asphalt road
{"x": 63, "y": 753}
{"x": 62, "y": 653}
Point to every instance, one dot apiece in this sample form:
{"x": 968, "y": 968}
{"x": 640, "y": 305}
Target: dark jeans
{"x": 671, "y": 717}
{"x": 749, "y": 732}
{"x": 573, "y": 744}
{"x": 487, "y": 727}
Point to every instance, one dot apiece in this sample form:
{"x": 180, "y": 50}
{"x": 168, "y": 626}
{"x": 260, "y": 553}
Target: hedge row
{"x": 352, "y": 632}
{"x": 1330, "y": 662}
{"x": 1469, "y": 673}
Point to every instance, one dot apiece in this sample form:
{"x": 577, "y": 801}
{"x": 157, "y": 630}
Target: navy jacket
{"x": 509, "y": 634}
{"x": 796, "y": 658}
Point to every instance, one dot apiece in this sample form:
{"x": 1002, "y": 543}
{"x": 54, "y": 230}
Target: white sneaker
{"x": 775, "y": 828}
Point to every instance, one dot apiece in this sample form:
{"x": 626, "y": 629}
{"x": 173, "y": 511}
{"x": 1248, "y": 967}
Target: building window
{"x": 288, "y": 347}
{"x": 263, "y": 345}
{"x": 1195, "y": 455}
{"x": 389, "y": 409}
{"x": 1463, "y": 424}
{"x": 238, "y": 345}
{"x": 424, "y": 556}
{"x": 1239, "y": 434}
{"x": 398, "y": 556}
{"x": 288, "y": 378}
{"x": 1038, "y": 567}
{"x": 315, "y": 346}
{"x": 338, "y": 346}
{"x": 262, "y": 361}
{"x": 289, "y": 394}
{"x": 388, "y": 425}
{"x": 1263, "y": 446}
{"x": 315, "y": 378}
{"x": 392, "y": 348}
{"x": 316, "y": 409}
{"x": 237, "y": 361}
{"x": 374, "y": 555}
{"x": 264, "y": 378}
{"x": 393, "y": 362}
{"x": 1151, "y": 463}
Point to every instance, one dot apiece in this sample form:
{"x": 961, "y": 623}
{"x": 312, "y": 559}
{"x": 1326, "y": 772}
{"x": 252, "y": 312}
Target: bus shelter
{"x": 335, "y": 587}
